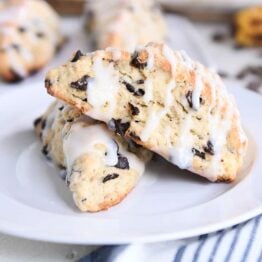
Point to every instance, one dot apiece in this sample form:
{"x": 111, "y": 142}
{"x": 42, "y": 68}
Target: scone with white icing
{"x": 125, "y": 23}
{"x": 29, "y": 37}
{"x": 165, "y": 101}
{"x": 101, "y": 167}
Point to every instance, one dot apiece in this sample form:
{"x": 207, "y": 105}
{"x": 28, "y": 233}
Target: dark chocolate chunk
{"x": 122, "y": 162}
{"x": 134, "y": 109}
{"x": 118, "y": 127}
{"x": 47, "y": 83}
{"x": 43, "y": 124}
{"x": 15, "y": 46}
{"x": 83, "y": 200}
{"x": 21, "y": 29}
{"x": 189, "y": 98}
{"x": 220, "y": 37}
{"x": 223, "y": 74}
{"x": 255, "y": 85}
{"x": 136, "y": 62}
{"x": 139, "y": 92}
{"x": 80, "y": 84}
{"x": 61, "y": 108}
{"x": 198, "y": 153}
{"x": 77, "y": 56}
{"x": 70, "y": 120}
{"x": 209, "y": 148}
{"x": 140, "y": 81}
{"x": 40, "y": 34}
{"x": 37, "y": 121}
{"x": 134, "y": 135}
{"x": 110, "y": 177}
{"x": 84, "y": 100}
{"x": 15, "y": 77}
{"x": 45, "y": 150}
{"x": 129, "y": 87}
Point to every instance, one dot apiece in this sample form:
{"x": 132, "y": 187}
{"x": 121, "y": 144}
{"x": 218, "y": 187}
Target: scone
{"x": 248, "y": 26}
{"x": 29, "y": 37}
{"x": 125, "y": 23}
{"x": 101, "y": 167}
{"x": 163, "y": 101}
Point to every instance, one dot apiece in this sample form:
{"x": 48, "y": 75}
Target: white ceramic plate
{"x": 167, "y": 204}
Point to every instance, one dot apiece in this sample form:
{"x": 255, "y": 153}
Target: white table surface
{"x": 224, "y": 58}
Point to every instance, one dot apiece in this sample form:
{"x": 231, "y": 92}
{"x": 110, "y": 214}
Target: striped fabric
{"x": 239, "y": 243}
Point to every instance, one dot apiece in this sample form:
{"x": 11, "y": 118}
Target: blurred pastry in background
{"x": 125, "y": 23}
{"x": 248, "y": 27}
{"x": 30, "y": 35}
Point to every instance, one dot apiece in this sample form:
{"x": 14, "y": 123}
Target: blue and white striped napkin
{"x": 240, "y": 243}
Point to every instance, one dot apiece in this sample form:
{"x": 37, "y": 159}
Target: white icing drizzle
{"x": 181, "y": 154}
{"x": 170, "y": 56}
{"x": 150, "y": 59}
{"x": 186, "y": 59}
{"x": 15, "y": 62}
{"x": 102, "y": 91}
{"x": 219, "y": 128}
{"x": 148, "y": 90}
{"x": 197, "y": 89}
{"x": 155, "y": 117}
{"x": 82, "y": 139}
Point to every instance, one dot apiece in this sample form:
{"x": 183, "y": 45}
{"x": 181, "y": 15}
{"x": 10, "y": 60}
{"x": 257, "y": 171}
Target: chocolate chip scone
{"x": 101, "y": 167}
{"x": 162, "y": 100}
{"x": 125, "y": 23}
{"x": 29, "y": 37}
{"x": 248, "y": 26}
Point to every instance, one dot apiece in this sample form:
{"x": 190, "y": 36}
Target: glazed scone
{"x": 125, "y": 23}
{"x": 248, "y": 26}
{"x": 165, "y": 101}
{"x": 101, "y": 169}
{"x": 29, "y": 37}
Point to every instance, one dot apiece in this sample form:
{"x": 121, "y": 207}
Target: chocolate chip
{"x": 80, "y": 84}
{"x": 136, "y": 62}
{"x": 129, "y": 87}
{"x": 15, "y": 46}
{"x": 77, "y": 56}
{"x": 118, "y": 127}
{"x": 110, "y": 177}
{"x": 15, "y": 76}
{"x": 134, "y": 109}
{"x": 220, "y": 37}
{"x": 223, "y": 74}
{"x": 47, "y": 83}
{"x": 21, "y": 29}
{"x": 140, "y": 82}
{"x": 134, "y": 135}
{"x": 209, "y": 148}
{"x": 198, "y": 153}
{"x": 256, "y": 70}
{"x": 45, "y": 150}
{"x": 122, "y": 162}
{"x": 139, "y": 92}
{"x": 70, "y": 120}
{"x": 43, "y": 124}
{"x": 255, "y": 86}
{"x": 61, "y": 108}
{"x": 189, "y": 98}
{"x": 37, "y": 121}
{"x": 40, "y": 34}
{"x": 84, "y": 100}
